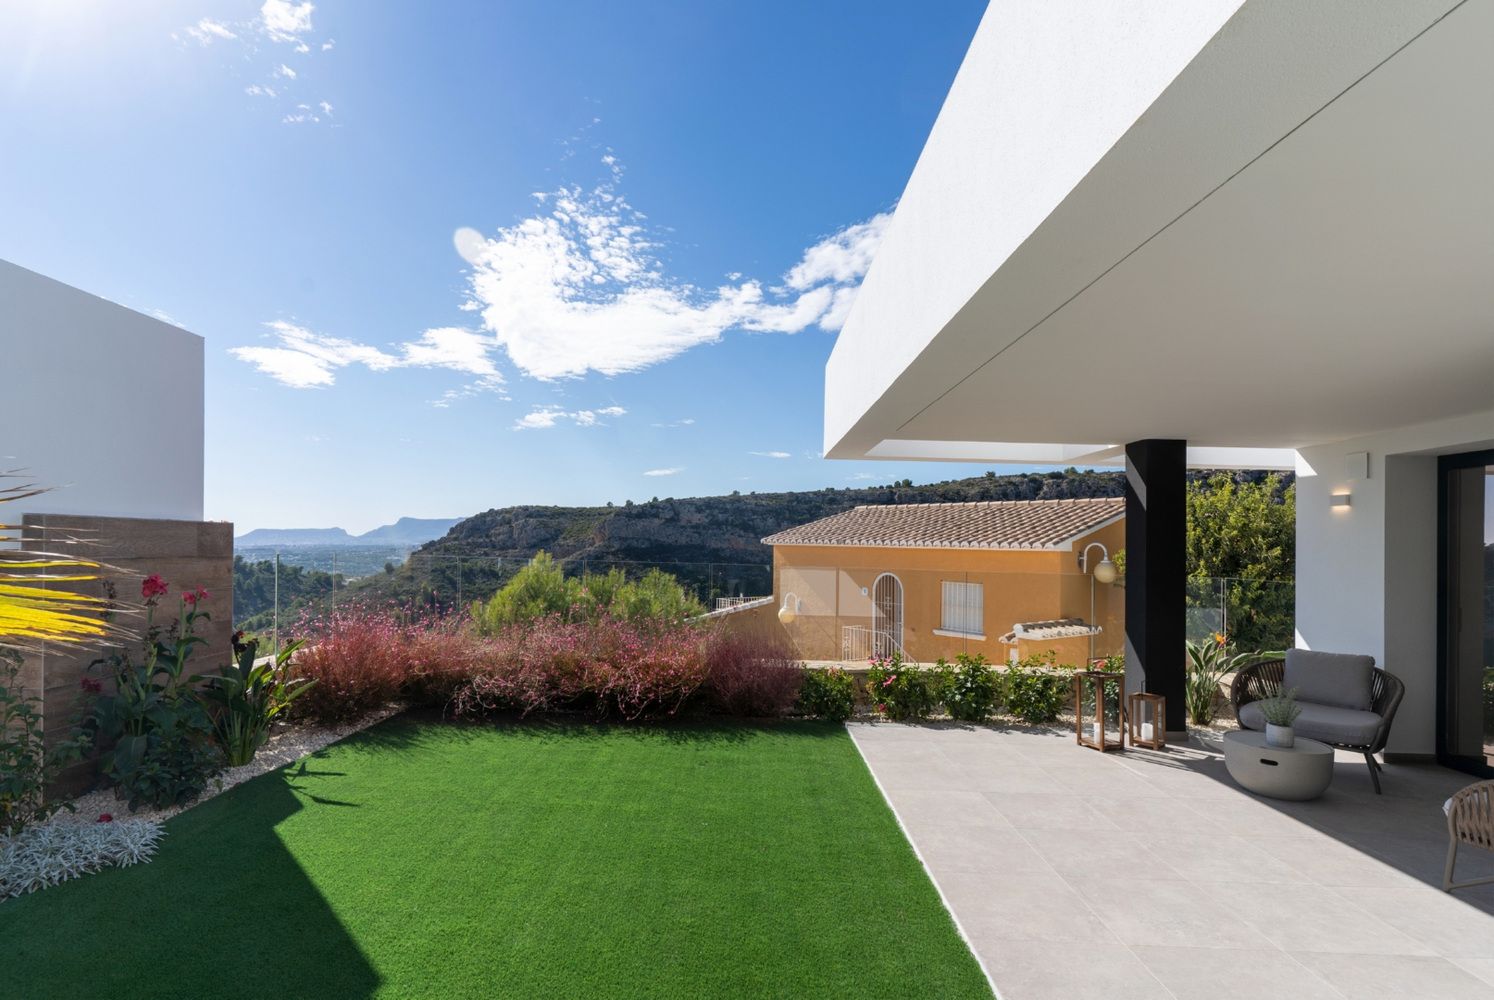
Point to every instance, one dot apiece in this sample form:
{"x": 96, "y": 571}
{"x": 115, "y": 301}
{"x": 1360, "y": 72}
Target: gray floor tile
{"x": 1061, "y": 970}
{"x": 1215, "y": 974}
{"x": 1167, "y": 914}
{"x": 1395, "y": 977}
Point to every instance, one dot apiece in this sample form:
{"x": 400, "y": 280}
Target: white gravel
{"x": 289, "y": 744}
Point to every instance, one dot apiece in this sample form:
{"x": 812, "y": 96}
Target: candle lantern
{"x": 1146, "y": 714}
{"x": 1094, "y": 692}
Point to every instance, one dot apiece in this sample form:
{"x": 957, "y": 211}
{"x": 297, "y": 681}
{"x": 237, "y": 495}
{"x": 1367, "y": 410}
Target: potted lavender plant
{"x": 1280, "y": 712}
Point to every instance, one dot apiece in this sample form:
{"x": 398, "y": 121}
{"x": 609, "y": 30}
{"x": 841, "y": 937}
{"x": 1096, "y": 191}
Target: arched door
{"x": 887, "y": 615}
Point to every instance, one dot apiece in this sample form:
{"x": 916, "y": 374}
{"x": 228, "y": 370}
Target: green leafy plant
{"x": 542, "y": 590}
{"x": 1209, "y": 662}
{"x": 25, "y": 766}
{"x": 246, "y": 698}
{"x": 904, "y": 691}
{"x": 155, "y": 736}
{"x": 1281, "y": 709}
{"x": 974, "y": 689}
{"x": 828, "y": 693}
{"x": 1243, "y": 533}
{"x": 1037, "y": 688}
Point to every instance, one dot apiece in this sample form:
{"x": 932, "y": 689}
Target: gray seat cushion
{"x": 1341, "y": 679}
{"x": 1326, "y": 723}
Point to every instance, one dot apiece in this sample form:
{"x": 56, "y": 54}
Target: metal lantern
{"x": 1092, "y": 731}
{"x": 1146, "y": 732}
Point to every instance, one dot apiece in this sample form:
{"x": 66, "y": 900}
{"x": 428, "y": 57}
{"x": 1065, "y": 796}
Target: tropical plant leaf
{"x": 36, "y": 606}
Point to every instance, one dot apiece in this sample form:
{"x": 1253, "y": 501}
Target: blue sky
{"x": 462, "y": 255}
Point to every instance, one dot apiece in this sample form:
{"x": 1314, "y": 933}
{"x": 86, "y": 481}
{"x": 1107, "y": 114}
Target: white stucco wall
{"x": 103, "y": 404}
{"x": 1367, "y": 574}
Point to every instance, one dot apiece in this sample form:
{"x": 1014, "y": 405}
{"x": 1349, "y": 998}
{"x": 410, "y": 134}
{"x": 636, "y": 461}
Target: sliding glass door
{"x": 1465, "y": 647}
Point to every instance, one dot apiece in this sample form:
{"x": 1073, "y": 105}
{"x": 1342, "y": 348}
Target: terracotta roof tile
{"x": 992, "y": 524}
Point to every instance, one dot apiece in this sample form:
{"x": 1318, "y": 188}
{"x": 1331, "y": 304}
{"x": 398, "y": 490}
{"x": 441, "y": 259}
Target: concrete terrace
{"x": 1151, "y": 874}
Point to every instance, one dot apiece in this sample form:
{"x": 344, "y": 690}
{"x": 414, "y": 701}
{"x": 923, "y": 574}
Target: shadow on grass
{"x": 224, "y": 910}
{"x": 424, "y": 728}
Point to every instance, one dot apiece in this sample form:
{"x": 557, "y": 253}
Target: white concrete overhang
{"x": 1254, "y": 227}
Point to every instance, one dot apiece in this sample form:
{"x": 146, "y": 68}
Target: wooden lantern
{"x": 1147, "y": 703}
{"x": 1092, "y": 732}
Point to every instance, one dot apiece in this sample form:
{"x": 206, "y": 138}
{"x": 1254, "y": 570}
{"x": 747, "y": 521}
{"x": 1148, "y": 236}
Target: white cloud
{"x": 682, "y": 422}
{"x": 207, "y": 31}
{"x": 548, "y": 416}
{"x": 284, "y": 21}
{"x": 301, "y": 115}
{"x": 676, "y": 470}
{"x": 579, "y": 287}
{"x": 302, "y": 359}
{"x": 278, "y": 21}
{"x": 771, "y": 454}
{"x": 841, "y": 258}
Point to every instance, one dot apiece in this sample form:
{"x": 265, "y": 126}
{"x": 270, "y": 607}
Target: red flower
{"x": 153, "y": 587}
{"x": 191, "y": 597}
{"x": 91, "y": 685}
{"x": 106, "y": 817}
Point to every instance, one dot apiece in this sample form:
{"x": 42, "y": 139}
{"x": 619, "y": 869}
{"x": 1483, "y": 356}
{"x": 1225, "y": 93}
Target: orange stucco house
{"x": 1002, "y": 578}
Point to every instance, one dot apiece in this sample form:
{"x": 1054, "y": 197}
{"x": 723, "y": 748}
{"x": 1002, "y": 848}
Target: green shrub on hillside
{"x": 542, "y": 589}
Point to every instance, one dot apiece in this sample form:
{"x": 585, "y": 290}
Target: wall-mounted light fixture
{"x": 790, "y": 608}
{"x": 1339, "y": 501}
{"x": 1105, "y": 571}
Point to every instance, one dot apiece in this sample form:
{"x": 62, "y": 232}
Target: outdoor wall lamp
{"x": 1105, "y": 571}
{"x": 1339, "y": 501}
{"x": 790, "y": 609}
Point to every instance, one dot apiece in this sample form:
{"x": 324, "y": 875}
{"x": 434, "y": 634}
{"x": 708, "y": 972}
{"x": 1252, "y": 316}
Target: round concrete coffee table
{"x": 1301, "y": 771}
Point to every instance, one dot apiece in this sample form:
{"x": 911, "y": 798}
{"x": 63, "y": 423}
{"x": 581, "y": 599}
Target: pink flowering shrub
{"x": 751, "y": 675}
{"x": 609, "y": 667}
{"x": 360, "y": 660}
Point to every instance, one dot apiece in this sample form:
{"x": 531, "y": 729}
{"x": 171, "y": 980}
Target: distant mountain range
{"x": 407, "y": 531}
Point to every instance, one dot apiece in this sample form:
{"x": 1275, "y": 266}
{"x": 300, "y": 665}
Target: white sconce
{"x": 790, "y": 609}
{"x": 1339, "y": 501}
{"x": 1105, "y": 570}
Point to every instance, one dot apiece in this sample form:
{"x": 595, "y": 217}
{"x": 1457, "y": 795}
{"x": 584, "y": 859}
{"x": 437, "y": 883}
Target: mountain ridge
{"x": 405, "y": 531}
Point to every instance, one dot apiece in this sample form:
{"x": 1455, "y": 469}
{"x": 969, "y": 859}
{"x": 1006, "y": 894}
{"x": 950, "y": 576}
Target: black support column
{"x": 1155, "y": 572}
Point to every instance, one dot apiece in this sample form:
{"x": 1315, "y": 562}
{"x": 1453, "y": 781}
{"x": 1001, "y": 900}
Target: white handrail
{"x": 723, "y": 603}
{"x": 859, "y": 642}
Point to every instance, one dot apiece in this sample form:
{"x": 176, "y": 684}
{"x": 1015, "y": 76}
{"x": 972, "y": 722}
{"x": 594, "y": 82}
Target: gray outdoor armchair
{"x": 1470, "y": 820}
{"x": 1346, "y": 701}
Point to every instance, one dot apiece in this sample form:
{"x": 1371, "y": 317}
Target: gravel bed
{"x": 289, "y": 744}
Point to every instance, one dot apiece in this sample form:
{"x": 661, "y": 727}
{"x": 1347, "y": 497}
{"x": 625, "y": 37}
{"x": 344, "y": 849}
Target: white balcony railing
{"x": 727, "y": 603}
{"x": 859, "y": 643}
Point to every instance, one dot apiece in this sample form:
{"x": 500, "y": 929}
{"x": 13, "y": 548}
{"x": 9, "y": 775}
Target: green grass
{"x": 430, "y": 860}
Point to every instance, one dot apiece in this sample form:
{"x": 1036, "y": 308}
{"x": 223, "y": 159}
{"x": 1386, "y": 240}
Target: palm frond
{"x": 38, "y": 605}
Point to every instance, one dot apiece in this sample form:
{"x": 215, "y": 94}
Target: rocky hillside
{"x": 713, "y": 543}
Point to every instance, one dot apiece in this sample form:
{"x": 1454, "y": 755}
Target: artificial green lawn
{"x": 432, "y": 860}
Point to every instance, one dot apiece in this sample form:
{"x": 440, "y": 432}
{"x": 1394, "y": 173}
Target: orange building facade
{"x": 937, "y": 583}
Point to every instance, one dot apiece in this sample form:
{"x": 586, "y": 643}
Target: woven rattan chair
{"x": 1470, "y": 820}
{"x": 1264, "y": 679}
